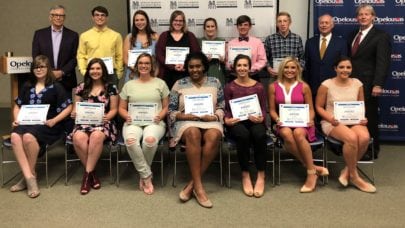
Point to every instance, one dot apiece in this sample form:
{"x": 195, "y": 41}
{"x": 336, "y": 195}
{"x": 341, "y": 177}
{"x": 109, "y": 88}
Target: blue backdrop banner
{"x": 390, "y": 18}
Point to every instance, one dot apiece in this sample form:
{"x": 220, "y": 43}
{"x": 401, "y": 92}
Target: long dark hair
{"x": 42, "y": 60}
{"x": 88, "y": 81}
{"x": 148, "y": 29}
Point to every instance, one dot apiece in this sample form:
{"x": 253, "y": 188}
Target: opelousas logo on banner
{"x": 320, "y": 3}
{"x": 390, "y": 93}
{"x": 399, "y": 2}
{"x": 371, "y": 2}
{"x": 397, "y": 110}
{"x": 396, "y": 57}
{"x": 388, "y": 127}
{"x": 398, "y": 39}
{"x": 398, "y": 74}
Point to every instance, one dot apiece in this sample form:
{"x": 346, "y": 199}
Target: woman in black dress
{"x": 26, "y": 139}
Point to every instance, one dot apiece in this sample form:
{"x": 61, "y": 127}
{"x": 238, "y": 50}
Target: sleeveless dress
{"x": 338, "y": 93}
{"x": 108, "y": 128}
{"x": 295, "y": 96}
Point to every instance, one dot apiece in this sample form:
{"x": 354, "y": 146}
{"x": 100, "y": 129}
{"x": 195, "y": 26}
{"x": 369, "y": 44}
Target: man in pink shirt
{"x": 248, "y": 45}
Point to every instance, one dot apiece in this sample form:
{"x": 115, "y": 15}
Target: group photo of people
{"x": 146, "y": 88}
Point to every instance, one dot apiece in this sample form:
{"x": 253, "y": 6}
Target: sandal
{"x": 33, "y": 189}
{"x": 21, "y": 185}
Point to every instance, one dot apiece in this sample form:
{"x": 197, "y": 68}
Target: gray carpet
{"x": 281, "y": 206}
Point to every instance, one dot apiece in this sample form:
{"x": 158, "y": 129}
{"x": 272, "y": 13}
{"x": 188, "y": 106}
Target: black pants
{"x": 250, "y": 135}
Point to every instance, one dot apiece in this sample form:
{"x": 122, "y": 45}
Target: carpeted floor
{"x": 281, "y": 206}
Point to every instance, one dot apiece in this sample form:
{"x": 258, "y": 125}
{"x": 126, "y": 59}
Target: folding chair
{"x": 125, "y": 159}
{"x": 231, "y": 146}
{"x": 180, "y": 148}
{"x": 42, "y": 160}
{"x": 316, "y": 145}
{"x": 338, "y": 145}
{"x": 73, "y": 158}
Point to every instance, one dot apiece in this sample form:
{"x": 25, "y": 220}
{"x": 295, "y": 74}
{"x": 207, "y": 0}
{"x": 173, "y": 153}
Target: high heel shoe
{"x": 85, "y": 188}
{"x": 95, "y": 182}
{"x": 21, "y": 185}
{"x": 368, "y": 189}
{"x": 33, "y": 189}
{"x": 323, "y": 172}
{"x": 247, "y": 188}
{"x": 206, "y": 204}
{"x": 343, "y": 179}
{"x": 258, "y": 192}
{"x": 305, "y": 189}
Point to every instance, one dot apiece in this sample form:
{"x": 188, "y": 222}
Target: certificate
{"x": 215, "y": 49}
{"x": 142, "y": 113}
{"x": 134, "y": 54}
{"x": 244, "y": 107}
{"x": 276, "y": 63}
{"x": 33, "y": 114}
{"x": 89, "y": 113}
{"x": 294, "y": 115}
{"x": 235, "y": 51}
{"x": 176, "y": 55}
{"x": 349, "y": 112}
{"x": 199, "y": 104}
{"x": 108, "y": 61}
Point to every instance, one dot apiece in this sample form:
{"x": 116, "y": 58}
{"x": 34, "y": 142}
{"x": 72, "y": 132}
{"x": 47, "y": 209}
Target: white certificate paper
{"x": 134, "y": 54}
{"x": 33, "y": 114}
{"x": 235, "y": 51}
{"x": 244, "y": 107}
{"x": 276, "y": 63}
{"x": 199, "y": 104}
{"x": 109, "y": 63}
{"x": 142, "y": 113}
{"x": 176, "y": 55}
{"x": 349, "y": 112}
{"x": 89, "y": 113}
{"x": 294, "y": 115}
{"x": 215, "y": 49}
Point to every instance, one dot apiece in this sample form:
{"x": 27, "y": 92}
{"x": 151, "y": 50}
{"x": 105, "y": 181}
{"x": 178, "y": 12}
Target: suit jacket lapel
{"x": 366, "y": 40}
{"x": 49, "y": 41}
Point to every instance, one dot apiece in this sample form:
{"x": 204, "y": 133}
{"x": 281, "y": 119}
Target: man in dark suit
{"x": 371, "y": 56}
{"x": 59, "y": 44}
{"x": 321, "y": 52}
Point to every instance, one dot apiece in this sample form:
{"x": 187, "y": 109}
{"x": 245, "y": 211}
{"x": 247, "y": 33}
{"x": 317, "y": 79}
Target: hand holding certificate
{"x": 235, "y": 51}
{"x": 244, "y": 107}
{"x": 199, "y": 104}
{"x": 109, "y": 63}
{"x": 89, "y": 113}
{"x": 212, "y": 48}
{"x": 176, "y": 55}
{"x": 142, "y": 113}
{"x": 294, "y": 115}
{"x": 349, "y": 112}
{"x": 134, "y": 54}
{"x": 32, "y": 114}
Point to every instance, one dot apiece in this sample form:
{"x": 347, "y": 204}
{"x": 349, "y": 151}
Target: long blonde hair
{"x": 286, "y": 60}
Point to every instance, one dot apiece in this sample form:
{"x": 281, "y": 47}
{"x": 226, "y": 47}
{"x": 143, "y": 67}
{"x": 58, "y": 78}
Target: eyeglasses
{"x": 99, "y": 15}
{"x": 58, "y": 15}
{"x": 40, "y": 67}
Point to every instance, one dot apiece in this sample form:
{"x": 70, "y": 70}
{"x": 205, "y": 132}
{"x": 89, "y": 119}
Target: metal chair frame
{"x": 339, "y": 144}
{"x": 232, "y": 146}
{"x": 73, "y": 158}
{"x": 180, "y": 148}
{"x": 121, "y": 144}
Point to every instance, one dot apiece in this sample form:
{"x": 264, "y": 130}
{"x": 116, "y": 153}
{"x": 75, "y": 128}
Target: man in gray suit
{"x": 371, "y": 57}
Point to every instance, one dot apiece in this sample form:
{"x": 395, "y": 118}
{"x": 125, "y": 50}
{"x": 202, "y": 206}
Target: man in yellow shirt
{"x": 101, "y": 42}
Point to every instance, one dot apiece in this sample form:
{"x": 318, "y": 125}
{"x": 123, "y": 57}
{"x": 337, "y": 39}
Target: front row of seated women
{"x": 201, "y": 135}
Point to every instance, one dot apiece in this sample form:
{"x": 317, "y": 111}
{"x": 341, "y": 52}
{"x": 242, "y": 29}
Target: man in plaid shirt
{"x": 281, "y": 44}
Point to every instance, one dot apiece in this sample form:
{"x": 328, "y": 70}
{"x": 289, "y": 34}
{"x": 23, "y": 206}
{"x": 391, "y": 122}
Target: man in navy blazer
{"x": 371, "y": 61}
{"x": 59, "y": 44}
{"x": 317, "y": 68}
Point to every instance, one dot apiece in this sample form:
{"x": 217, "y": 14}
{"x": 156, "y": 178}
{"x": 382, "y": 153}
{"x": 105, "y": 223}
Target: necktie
{"x": 356, "y": 43}
{"x": 323, "y": 48}
{"x": 244, "y": 38}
